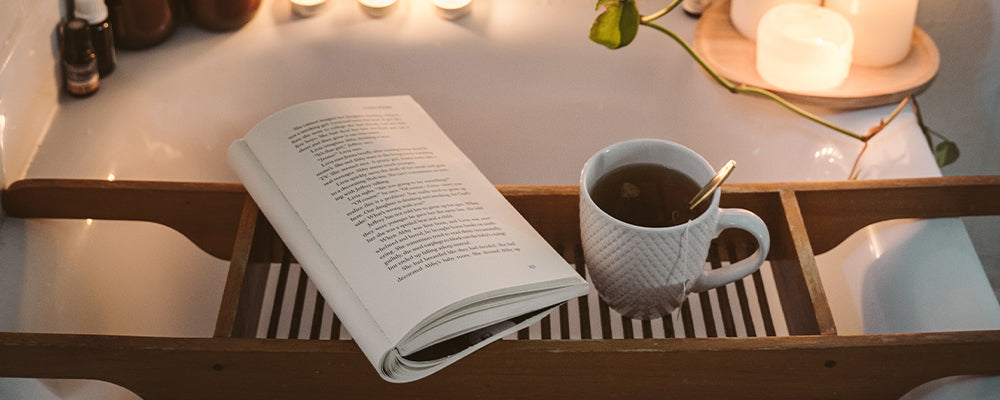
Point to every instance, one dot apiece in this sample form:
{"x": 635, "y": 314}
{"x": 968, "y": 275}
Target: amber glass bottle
{"x": 79, "y": 63}
{"x": 95, "y": 12}
{"x": 222, "y": 15}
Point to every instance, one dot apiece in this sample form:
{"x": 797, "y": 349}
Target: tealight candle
{"x": 883, "y": 29}
{"x": 307, "y": 8}
{"x": 377, "y": 8}
{"x": 453, "y": 9}
{"x": 745, "y": 14}
{"x": 803, "y": 47}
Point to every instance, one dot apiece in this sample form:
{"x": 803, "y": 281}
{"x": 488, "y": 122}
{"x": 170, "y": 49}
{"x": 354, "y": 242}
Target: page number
{"x": 532, "y": 266}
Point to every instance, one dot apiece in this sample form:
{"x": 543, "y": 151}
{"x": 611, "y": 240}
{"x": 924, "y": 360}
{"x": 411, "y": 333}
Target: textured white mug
{"x": 645, "y": 272}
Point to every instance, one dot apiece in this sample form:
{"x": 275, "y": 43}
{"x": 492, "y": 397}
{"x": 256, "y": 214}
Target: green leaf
{"x": 946, "y": 153}
{"x": 617, "y": 25}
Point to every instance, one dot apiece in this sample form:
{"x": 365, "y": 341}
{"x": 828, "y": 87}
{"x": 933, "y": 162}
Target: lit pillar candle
{"x": 745, "y": 14}
{"x": 883, "y": 29}
{"x": 307, "y": 8}
{"x": 453, "y": 9}
{"x": 803, "y": 47}
{"x": 377, "y": 8}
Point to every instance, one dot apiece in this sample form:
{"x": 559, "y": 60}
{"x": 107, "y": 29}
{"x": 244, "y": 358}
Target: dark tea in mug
{"x": 647, "y": 194}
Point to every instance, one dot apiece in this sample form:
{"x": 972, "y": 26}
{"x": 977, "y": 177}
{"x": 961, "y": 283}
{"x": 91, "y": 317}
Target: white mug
{"x": 646, "y": 272}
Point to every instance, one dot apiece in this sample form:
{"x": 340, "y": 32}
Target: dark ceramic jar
{"x": 222, "y": 15}
{"x": 139, "y": 24}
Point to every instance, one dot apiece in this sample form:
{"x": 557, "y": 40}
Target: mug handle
{"x": 747, "y": 221}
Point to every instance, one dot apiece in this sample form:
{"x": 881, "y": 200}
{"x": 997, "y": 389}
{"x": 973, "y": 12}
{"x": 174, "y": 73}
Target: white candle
{"x": 883, "y": 29}
{"x": 307, "y": 8}
{"x": 803, "y": 48}
{"x": 745, "y": 14}
{"x": 377, "y": 8}
{"x": 453, "y": 9}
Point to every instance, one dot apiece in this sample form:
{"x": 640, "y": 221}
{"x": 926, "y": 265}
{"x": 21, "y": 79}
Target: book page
{"x": 340, "y": 296}
{"x": 410, "y": 222}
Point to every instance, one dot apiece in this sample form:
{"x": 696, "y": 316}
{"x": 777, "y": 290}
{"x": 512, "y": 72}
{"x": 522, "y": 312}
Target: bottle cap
{"x": 94, "y": 11}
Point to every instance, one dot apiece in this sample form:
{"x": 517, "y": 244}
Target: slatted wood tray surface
{"x": 292, "y": 308}
{"x": 771, "y": 335}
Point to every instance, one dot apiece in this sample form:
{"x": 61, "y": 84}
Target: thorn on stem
{"x": 874, "y": 131}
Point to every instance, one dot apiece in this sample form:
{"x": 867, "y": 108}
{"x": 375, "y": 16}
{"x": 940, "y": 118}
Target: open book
{"x": 417, "y": 253}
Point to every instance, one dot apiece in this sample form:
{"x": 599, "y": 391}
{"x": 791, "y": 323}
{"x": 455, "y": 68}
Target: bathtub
{"x": 518, "y": 87}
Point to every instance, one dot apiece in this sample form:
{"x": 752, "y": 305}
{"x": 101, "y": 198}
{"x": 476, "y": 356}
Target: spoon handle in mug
{"x": 712, "y": 185}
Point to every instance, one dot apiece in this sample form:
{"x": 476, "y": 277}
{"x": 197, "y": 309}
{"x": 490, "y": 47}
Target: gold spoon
{"x": 713, "y": 184}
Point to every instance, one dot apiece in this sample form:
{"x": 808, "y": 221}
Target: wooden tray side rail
{"x": 814, "y": 362}
{"x": 834, "y": 211}
{"x": 206, "y": 213}
{"x": 209, "y": 213}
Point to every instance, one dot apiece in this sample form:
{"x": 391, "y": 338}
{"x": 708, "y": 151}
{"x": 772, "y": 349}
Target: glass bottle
{"x": 79, "y": 63}
{"x": 95, "y": 12}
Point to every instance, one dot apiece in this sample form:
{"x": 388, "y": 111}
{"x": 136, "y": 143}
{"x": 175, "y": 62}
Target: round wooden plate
{"x": 734, "y": 56}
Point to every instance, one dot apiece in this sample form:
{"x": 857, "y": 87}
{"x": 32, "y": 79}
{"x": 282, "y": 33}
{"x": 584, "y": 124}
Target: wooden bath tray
{"x": 253, "y": 356}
